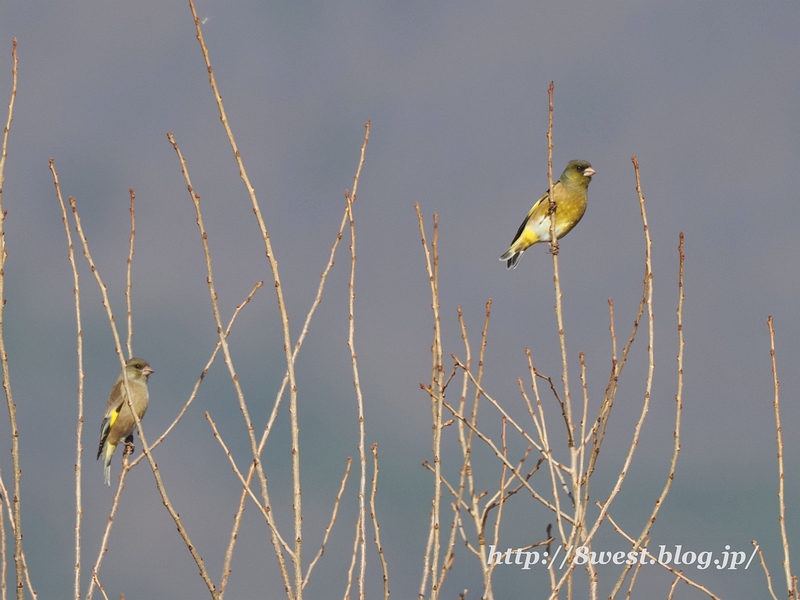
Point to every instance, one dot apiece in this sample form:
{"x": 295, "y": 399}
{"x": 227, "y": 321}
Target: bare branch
{"x": 225, "y": 348}
{"x": 678, "y": 574}
{"x": 351, "y": 344}
{"x": 766, "y": 570}
{"x": 79, "y": 427}
{"x": 787, "y": 566}
{"x": 266, "y": 511}
{"x": 287, "y": 342}
{"x": 374, "y": 515}
{"x": 4, "y": 499}
{"x": 677, "y": 433}
{"x": 145, "y": 447}
{"x": 436, "y": 392}
{"x": 12, "y": 409}
{"x": 129, "y": 283}
{"x": 274, "y": 414}
{"x": 332, "y": 521}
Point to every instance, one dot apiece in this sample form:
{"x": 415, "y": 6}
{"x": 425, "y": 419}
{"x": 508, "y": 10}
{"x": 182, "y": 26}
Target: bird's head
{"x": 578, "y": 173}
{"x": 138, "y": 367}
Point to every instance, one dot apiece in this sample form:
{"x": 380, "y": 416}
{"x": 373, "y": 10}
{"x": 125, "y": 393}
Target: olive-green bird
{"x": 571, "y": 193}
{"x": 118, "y": 422}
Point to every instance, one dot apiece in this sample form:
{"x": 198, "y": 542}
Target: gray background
{"x": 705, "y": 94}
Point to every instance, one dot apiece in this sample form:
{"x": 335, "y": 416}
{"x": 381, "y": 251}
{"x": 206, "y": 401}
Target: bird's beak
{"x": 147, "y": 371}
{"x": 589, "y": 172}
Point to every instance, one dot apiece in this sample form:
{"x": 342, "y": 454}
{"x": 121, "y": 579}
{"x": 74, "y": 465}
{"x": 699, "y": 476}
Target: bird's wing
{"x": 115, "y": 402}
{"x": 538, "y": 212}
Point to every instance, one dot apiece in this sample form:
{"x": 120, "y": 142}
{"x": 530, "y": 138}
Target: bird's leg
{"x": 129, "y": 445}
{"x": 552, "y": 216}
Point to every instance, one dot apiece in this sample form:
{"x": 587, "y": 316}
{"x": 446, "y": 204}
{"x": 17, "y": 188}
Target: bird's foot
{"x": 129, "y": 445}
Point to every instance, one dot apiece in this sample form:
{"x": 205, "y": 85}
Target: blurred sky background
{"x": 706, "y": 95}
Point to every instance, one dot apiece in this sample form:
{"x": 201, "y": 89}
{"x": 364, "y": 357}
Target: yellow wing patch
{"x": 113, "y": 417}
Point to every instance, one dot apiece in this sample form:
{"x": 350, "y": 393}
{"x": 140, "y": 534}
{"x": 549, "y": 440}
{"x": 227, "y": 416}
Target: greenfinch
{"x": 571, "y": 193}
{"x": 118, "y": 422}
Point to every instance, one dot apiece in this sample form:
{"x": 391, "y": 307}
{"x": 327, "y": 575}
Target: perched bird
{"x": 570, "y": 194}
{"x": 118, "y": 422}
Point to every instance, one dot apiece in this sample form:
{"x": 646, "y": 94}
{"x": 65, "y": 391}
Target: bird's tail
{"x": 109, "y": 454}
{"x": 105, "y": 428}
{"x": 511, "y": 256}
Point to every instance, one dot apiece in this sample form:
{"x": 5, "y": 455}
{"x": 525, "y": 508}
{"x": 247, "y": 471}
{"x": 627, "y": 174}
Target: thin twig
{"x": 584, "y": 417}
{"x": 436, "y": 392}
{"x": 499, "y": 518}
{"x": 96, "y": 580}
{"x": 479, "y": 379}
{"x": 648, "y": 384}
{"x": 636, "y": 571}
{"x": 12, "y": 409}
{"x": 787, "y": 566}
{"x": 126, "y": 466}
{"x": 225, "y": 347}
{"x": 655, "y": 560}
{"x": 264, "y": 511}
{"x": 4, "y": 498}
{"x": 567, "y": 406}
{"x": 499, "y": 454}
{"x": 599, "y": 428}
{"x": 107, "y": 532}
{"x": 3, "y": 558}
{"x": 580, "y": 512}
{"x": 495, "y": 502}
{"x": 475, "y": 497}
{"x": 450, "y": 487}
{"x": 465, "y": 438}
{"x": 550, "y": 196}
{"x": 426, "y": 563}
{"x": 79, "y": 427}
{"x": 766, "y": 570}
{"x": 129, "y": 283}
{"x": 226, "y": 570}
{"x": 145, "y": 447}
{"x": 330, "y": 524}
{"x": 374, "y": 515}
{"x": 675, "y": 583}
{"x": 203, "y": 374}
{"x": 352, "y": 563}
{"x": 465, "y": 441}
{"x": 677, "y": 433}
{"x": 436, "y": 408}
{"x": 287, "y": 342}
{"x": 504, "y": 413}
{"x": 541, "y": 427}
{"x": 351, "y": 344}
